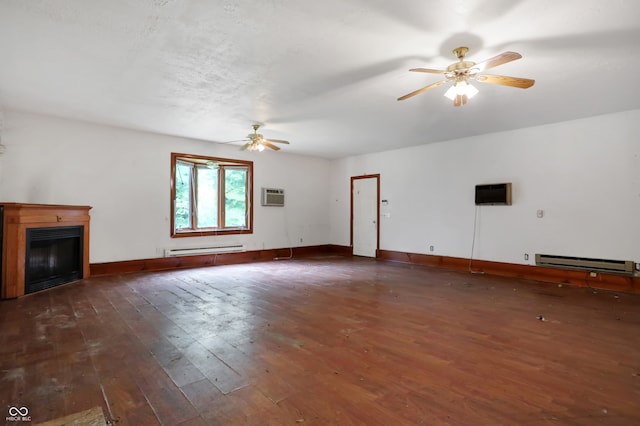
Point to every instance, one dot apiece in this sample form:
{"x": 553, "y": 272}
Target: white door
{"x": 365, "y": 216}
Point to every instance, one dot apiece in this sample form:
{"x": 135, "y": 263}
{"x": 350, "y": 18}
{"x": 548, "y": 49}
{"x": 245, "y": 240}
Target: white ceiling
{"x": 323, "y": 74}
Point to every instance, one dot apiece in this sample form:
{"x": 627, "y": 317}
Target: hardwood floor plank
{"x": 208, "y": 400}
{"x": 123, "y": 396}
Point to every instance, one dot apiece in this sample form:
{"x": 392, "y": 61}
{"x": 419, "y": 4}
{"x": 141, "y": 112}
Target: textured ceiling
{"x": 324, "y": 75}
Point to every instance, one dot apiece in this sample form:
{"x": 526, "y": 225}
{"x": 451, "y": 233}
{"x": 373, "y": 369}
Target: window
{"x": 210, "y": 196}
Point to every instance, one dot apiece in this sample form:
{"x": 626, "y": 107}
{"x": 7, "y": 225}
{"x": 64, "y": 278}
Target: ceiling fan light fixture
{"x": 471, "y": 91}
{"x": 257, "y": 142}
{"x": 461, "y": 88}
{"x": 451, "y": 93}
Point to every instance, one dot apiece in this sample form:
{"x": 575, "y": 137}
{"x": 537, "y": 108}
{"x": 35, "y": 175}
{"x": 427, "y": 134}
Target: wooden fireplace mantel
{"x": 17, "y": 218}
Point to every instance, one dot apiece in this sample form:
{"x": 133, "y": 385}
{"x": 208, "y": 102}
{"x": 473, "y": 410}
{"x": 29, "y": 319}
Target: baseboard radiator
{"x": 586, "y": 264}
{"x": 193, "y": 251}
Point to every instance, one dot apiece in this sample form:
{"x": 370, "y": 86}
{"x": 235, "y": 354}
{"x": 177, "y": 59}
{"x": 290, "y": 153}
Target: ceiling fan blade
{"x": 521, "y": 83}
{"x": 270, "y": 145}
{"x": 424, "y": 89}
{"x": 429, "y": 70}
{"x": 276, "y": 141}
{"x": 245, "y": 146}
{"x": 500, "y": 59}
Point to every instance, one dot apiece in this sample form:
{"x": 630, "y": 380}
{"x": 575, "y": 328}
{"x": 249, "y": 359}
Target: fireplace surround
{"x": 43, "y": 245}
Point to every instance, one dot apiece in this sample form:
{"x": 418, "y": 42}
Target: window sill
{"x": 209, "y": 232}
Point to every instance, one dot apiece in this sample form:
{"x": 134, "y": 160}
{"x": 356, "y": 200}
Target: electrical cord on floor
{"x": 286, "y": 231}
{"x": 473, "y": 242}
{"x": 285, "y": 258}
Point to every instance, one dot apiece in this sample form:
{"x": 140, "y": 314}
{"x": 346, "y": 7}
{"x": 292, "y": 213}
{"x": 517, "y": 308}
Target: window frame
{"x": 223, "y": 163}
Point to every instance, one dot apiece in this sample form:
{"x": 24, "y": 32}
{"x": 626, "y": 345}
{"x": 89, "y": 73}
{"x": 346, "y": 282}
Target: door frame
{"x": 353, "y": 179}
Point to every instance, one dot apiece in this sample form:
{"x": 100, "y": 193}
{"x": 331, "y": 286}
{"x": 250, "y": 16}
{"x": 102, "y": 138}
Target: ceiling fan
{"x": 462, "y": 71}
{"x": 257, "y": 142}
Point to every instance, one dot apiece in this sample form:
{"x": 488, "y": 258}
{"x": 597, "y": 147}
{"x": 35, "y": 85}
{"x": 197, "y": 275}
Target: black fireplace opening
{"x": 54, "y": 256}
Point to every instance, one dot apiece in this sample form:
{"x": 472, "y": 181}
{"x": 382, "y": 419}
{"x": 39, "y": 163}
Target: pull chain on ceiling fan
{"x": 257, "y": 142}
{"x": 462, "y": 71}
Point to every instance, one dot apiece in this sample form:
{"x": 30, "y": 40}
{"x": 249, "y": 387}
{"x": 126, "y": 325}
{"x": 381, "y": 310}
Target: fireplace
{"x": 53, "y": 257}
{"x": 43, "y": 246}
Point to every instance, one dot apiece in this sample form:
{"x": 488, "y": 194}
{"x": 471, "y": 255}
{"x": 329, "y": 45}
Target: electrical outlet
{"x": 301, "y": 240}
{"x": 431, "y": 248}
{"x": 526, "y": 256}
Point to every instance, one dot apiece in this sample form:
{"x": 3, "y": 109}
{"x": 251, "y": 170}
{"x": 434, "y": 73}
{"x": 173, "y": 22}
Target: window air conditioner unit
{"x": 273, "y": 197}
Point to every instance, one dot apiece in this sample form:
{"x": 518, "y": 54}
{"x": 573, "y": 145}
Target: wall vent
{"x": 273, "y": 197}
{"x": 193, "y": 251}
{"x": 586, "y": 264}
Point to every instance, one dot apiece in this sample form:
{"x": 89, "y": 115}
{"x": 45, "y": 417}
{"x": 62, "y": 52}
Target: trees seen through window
{"x": 210, "y": 195}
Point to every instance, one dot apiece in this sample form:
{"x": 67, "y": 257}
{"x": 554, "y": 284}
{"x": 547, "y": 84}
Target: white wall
{"x": 124, "y": 175}
{"x": 584, "y": 174}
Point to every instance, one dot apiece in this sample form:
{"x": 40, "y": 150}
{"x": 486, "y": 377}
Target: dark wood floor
{"x": 325, "y": 341}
